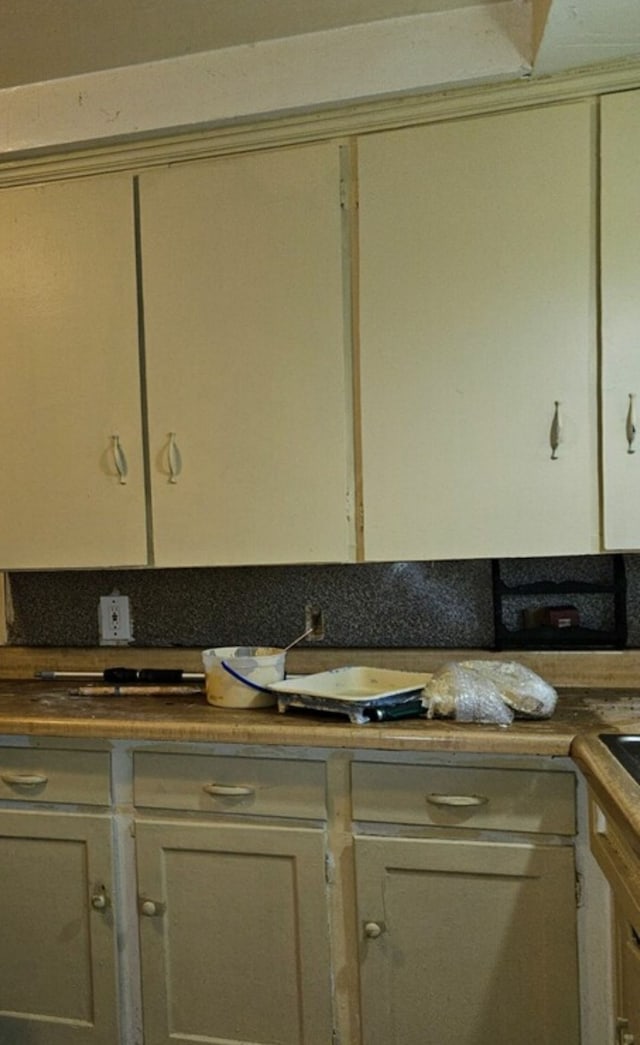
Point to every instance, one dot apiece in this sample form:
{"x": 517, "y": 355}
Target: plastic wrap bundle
{"x": 488, "y": 691}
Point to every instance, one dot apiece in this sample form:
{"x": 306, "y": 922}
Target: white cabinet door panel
{"x": 236, "y": 949}
{"x": 620, "y": 246}
{"x": 58, "y": 954}
{"x": 477, "y": 290}
{"x": 70, "y": 376}
{"x": 245, "y": 331}
{"x": 467, "y": 942}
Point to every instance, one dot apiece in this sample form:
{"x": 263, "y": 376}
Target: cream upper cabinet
{"x": 70, "y": 390}
{"x": 620, "y": 246}
{"x": 245, "y": 325}
{"x": 478, "y": 337}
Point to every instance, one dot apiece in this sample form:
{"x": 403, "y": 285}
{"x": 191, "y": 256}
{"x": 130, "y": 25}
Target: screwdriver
{"x": 170, "y": 676}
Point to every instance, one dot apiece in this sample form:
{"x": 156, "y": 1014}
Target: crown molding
{"x": 140, "y": 153}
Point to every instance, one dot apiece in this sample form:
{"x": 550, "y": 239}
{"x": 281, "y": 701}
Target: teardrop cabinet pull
{"x": 556, "y": 431}
{"x": 175, "y": 459}
{"x": 631, "y": 424}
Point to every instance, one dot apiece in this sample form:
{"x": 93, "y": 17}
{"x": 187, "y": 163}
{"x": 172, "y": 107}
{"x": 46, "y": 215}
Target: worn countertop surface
{"x": 49, "y": 709}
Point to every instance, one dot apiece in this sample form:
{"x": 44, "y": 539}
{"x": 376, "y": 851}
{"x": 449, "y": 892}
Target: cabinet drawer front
{"x": 230, "y": 784}
{"x": 78, "y": 777}
{"x": 493, "y": 799}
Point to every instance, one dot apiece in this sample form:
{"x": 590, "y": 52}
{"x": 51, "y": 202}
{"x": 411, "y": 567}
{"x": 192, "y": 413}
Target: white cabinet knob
{"x": 149, "y": 908}
{"x": 373, "y": 930}
{"x": 623, "y": 1036}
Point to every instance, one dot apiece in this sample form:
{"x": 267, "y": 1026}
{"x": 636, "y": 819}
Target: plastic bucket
{"x": 258, "y": 665}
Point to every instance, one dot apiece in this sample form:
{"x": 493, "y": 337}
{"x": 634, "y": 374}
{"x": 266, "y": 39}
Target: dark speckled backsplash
{"x": 401, "y": 604}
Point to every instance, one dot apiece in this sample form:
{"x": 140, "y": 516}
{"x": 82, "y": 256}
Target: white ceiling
{"x": 42, "y": 40}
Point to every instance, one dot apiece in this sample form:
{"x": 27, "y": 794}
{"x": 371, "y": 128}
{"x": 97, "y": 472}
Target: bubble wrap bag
{"x": 488, "y": 691}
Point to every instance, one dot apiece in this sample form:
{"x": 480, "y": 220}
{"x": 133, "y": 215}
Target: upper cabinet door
{"x": 620, "y": 266}
{"x": 245, "y": 341}
{"x": 478, "y": 337}
{"x": 70, "y": 391}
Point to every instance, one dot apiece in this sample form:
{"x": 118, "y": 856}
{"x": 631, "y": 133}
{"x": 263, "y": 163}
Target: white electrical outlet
{"x": 114, "y": 620}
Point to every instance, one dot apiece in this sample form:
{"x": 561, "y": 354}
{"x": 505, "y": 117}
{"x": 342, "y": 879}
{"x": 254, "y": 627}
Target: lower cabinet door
{"x": 233, "y": 934}
{"x": 467, "y": 943}
{"x": 57, "y": 956}
{"x": 628, "y": 946}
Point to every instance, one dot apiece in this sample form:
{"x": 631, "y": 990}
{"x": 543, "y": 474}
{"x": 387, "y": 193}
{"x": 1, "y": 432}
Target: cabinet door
{"x": 628, "y": 973}
{"x": 70, "y": 376}
{"x": 477, "y": 247}
{"x": 466, "y": 942}
{"x": 620, "y": 246}
{"x": 57, "y": 959}
{"x": 235, "y": 942}
{"x": 245, "y": 352}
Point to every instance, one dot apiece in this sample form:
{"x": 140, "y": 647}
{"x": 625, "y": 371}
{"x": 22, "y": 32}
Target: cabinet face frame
{"x": 75, "y": 866}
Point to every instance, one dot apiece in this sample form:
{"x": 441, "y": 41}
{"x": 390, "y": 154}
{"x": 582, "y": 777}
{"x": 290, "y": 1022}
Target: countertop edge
{"x": 50, "y": 709}
{"x": 610, "y": 783}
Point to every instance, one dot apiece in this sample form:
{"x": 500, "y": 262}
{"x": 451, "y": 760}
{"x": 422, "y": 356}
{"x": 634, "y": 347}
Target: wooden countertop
{"x": 48, "y": 709}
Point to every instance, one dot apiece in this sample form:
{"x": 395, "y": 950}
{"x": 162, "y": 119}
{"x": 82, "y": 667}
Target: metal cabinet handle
{"x": 229, "y": 790}
{"x": 457, "y": 800}
{"x": 151, "y": 908}
{"x": 175, "y": 458}
{"x": 119, "y": 457}
{"x": 555, "y": 434}
{"x": 373, "y": 930}
{"x": 631, "y": 424}
{"x": 24, "y": 779}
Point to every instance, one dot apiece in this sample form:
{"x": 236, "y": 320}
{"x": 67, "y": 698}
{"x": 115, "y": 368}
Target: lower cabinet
{"x": 288, "y": 898}
{"x": 233, "y": 914}
{"x": 471, "y": 943}
{"x": 58, "y": 952}
{"x": 467, "y": 931}
{"x": 620, "y": 862}
{"x": 628, "y": 977}
{"x": 233, "y": 934}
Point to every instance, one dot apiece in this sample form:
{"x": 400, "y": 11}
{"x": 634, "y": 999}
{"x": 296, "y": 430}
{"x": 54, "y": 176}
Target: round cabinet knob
{"x": 148, "y": 908}
{"x": 99, "y": 902}
{"x": 373, "y": 930}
